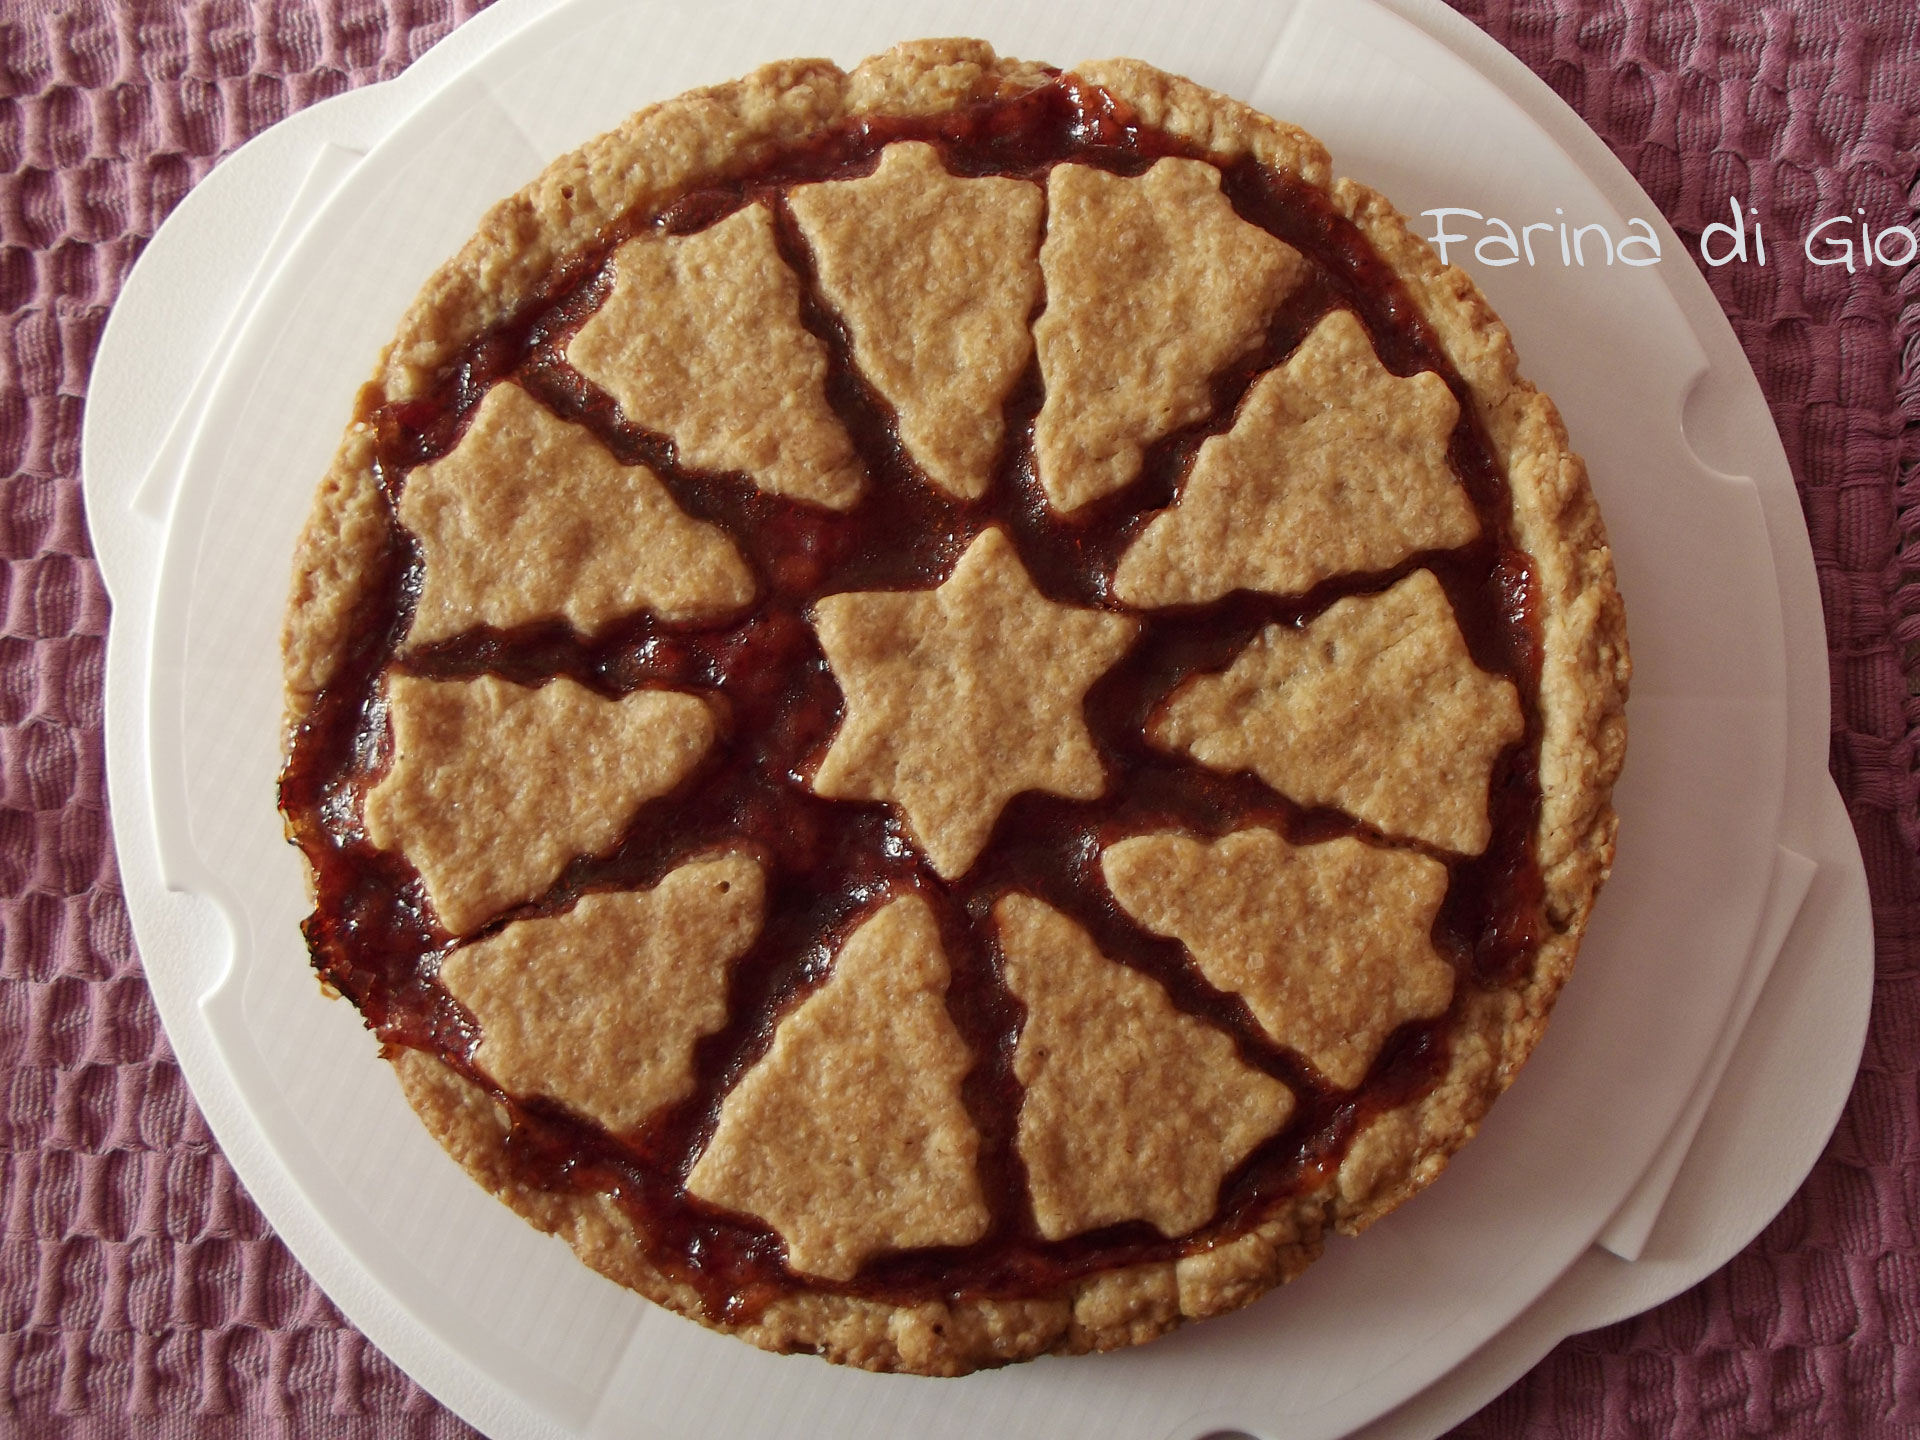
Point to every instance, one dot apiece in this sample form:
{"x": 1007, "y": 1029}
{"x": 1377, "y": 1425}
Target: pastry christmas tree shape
{"x": 1330, "y": 945}
{"x": 849, "y": 1136}
{"x": 701, "y": 340}
{"x": 939, "y": 721}
{"x": 935, "y": 277}
{"x": 1333, "y": 465}
{"x": 531, "y": 518}
{"x": 495, "y": 787}
{"x": 1132, "y": 1110}
{"x": 1375, "y": 708}
{"x": 1153, "y": 286}
{"x": 599, "y": 1008}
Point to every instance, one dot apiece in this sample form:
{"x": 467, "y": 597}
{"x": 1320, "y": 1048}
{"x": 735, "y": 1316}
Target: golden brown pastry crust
{"x": 710, "y": 134}
{"x": 1268, "y": 504}
{"x": 1584, "y": 674}
{"x": 935, "y": 276}
{"x": 1154, "y": 285}
{"x": 938, "y": 723}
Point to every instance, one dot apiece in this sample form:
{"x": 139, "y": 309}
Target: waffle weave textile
{"x": 142, "y": 1294}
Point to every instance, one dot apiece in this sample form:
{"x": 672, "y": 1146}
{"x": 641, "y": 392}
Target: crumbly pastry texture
{"x": 495, "y": 786}
{"x": 701, "y": 339}
{"x": 626, "y": 983}
{"x": 931, "y": 722}
{"x": 889, "y": 1163}
{"x": 937, "y": 298}
{"x": 1328, "y": 944}
{"x": 1333, "y": 464}
{"x": 1221, "y": 989}
{"x": 1154, "y": 285}
{"x": 508, "y": 532}
{"x": 1131, "y": 1110}
{"x": 1434, "y": 722}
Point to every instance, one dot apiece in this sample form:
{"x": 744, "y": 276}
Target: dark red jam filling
{"x": 831, "y": 863}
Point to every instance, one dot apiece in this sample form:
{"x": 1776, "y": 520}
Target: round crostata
{"x": 943, "y": 712}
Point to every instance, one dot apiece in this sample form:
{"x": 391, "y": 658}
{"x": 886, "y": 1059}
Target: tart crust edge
{"x": 943, "y": 1338}
{"x": 707, "y": 134}
{"x": 1585, "y": 671}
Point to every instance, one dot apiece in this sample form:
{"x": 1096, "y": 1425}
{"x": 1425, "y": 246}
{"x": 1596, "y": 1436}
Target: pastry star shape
{"x": 960, "y": 698}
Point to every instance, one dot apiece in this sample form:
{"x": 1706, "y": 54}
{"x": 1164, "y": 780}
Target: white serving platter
{"x": 197, "y": 485}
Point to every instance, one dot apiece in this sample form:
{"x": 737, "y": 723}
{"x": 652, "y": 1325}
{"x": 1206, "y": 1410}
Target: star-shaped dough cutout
{"x": 1330, "y": 945}
{"x": 940, "y": 722}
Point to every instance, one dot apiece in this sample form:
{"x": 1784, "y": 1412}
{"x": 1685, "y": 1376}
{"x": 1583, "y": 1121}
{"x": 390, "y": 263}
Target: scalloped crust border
{"x": 710, "y": 134}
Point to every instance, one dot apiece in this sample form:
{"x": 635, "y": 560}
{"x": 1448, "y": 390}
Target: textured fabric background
{"x": 141, "y": 1294}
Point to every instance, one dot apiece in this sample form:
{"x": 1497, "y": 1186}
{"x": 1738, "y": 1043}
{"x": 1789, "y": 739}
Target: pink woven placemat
{"x": 140, "y": 1291}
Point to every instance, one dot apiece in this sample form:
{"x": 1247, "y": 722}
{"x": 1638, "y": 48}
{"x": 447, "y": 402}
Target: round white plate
{"x": 502, "y": 1323}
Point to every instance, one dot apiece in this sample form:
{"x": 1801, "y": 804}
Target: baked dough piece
{"x": 1330, "y": 945}
{"x": 850, "y": 1136}
{"x": 1153, "y": 285}
{"x": 1375, "y": 708}
{"x": 1130, "y": 1109}
{"x": 495, "y": 787}
{"x": 937, "y": 720}
{"x": 529, "y": 518}
{"x": 758, "y": 404}
{"x": 600, "y": 1008}
{"x": 701, "y": 339}
{"x": 1333, "y": 465}
{"x": 935, "y": 276}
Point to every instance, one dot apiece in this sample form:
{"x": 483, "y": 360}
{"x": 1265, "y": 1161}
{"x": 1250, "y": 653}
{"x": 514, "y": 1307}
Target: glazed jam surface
{"x": 831, "y": 863}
